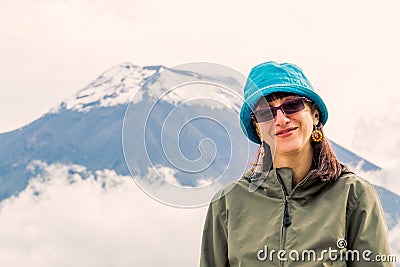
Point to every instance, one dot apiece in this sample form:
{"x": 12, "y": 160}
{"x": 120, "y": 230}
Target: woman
{"x": 298, "y": 206}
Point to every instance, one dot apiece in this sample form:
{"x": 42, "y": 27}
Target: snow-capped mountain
{"x": 119, "y": 85}
{"x": 113, "y": 87}
{"x": 87, "y": 129}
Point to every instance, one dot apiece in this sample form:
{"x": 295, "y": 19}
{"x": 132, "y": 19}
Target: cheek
{"x": 266, "y": 129}
{"x": 308, "y": 126}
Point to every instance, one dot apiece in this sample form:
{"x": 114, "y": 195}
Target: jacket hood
{"x": 278, "y": 181}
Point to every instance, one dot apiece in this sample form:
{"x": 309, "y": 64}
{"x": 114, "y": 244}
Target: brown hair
{"x": 324, "y": 160}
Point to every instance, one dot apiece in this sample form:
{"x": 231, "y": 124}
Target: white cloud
{"x": 103, "y": 220}
{"x": 378, "y": 131}
{"x": 204, "y": 182}
{"x": 376, "y": 138}
{"x": 160, "y": 174}
{"x": 387, "y": 178}
{"x": 61, "y": 219}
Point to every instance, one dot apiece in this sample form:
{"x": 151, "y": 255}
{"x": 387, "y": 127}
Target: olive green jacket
{"x": 261, "y": 220}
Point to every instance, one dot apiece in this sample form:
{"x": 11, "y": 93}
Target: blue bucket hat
{"x": 271, "y": 77}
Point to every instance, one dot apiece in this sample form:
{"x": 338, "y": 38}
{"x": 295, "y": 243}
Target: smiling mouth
{"x": 283, "y": 132}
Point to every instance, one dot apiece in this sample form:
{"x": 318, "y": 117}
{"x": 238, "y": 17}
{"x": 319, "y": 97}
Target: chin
{"x": 286, "y": 150}
{"x": 287, "y": 147}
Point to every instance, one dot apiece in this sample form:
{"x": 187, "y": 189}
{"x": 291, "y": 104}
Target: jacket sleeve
{"x": 368, "y": 230}
{"x": 214, "y": 247}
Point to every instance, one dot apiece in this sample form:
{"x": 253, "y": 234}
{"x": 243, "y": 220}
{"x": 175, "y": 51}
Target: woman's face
{"x": 290, "y": 132}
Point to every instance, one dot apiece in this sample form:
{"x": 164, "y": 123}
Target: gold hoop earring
{"x": 316, "y": 135}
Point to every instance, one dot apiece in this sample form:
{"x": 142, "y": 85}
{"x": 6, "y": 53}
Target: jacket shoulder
{"x": 357, "y": 190}
{"x": 354, "y": 183}
{"x": 226, "y": 190}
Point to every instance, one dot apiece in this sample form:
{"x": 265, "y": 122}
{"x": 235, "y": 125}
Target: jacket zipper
{"x": 286, "y": 216}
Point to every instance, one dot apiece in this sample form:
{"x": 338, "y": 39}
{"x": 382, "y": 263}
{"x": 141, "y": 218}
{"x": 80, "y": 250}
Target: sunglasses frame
{"x": 274, "y": 110}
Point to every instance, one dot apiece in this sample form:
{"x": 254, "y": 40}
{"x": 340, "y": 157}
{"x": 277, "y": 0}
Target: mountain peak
{"x": 113, "y": 87}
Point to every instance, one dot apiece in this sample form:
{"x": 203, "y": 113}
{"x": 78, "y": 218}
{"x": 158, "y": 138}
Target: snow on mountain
{"x": 121, "y": 84}
{"x": 205, "y": 84}
{"x": 113, "y": 87}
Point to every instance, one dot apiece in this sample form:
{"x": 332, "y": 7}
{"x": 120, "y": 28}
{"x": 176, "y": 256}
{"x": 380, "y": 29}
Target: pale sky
{"x": 50, "y": 49}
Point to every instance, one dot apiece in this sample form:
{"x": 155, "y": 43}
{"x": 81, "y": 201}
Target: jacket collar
{"x": 278, "y": 181}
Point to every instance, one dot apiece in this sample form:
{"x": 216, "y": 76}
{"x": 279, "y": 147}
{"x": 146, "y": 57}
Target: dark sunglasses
{"x": 288, "y": 107}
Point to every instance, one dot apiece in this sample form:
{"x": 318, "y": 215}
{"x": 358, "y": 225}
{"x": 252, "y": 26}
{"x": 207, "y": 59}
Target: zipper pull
{"x": 286, "y": 216}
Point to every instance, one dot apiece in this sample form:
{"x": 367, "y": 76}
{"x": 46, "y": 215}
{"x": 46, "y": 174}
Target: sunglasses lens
{"x": 289, "y": 107}
{"x": 293, "y": 106}
{"x": 263, "y": 115}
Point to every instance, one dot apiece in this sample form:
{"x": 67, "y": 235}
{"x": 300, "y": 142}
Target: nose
{"x": 281, "y": 118}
